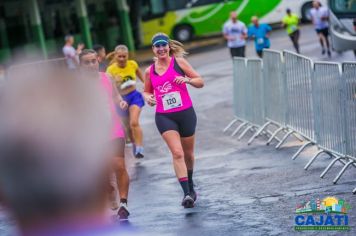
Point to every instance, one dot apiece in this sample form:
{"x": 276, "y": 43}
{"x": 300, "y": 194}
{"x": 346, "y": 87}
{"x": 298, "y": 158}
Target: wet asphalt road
{"x": 242, "y": 190}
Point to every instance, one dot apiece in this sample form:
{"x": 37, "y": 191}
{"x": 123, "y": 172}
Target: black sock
{"x": 190, "y": 180}
{"x": 185, "y": 186}
{"x": 123, "y": 200}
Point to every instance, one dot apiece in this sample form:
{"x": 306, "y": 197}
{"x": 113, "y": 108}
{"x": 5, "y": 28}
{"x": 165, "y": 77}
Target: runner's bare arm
{"x": 148, "y": 89}
{"x": 227, "y": 37}
{"x": 116, "y": 96}
{"x": 192, "y": 77}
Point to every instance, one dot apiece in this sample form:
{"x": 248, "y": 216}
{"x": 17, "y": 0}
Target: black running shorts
{"x": 184, "y": 122}
{"x": 324, "y": 31}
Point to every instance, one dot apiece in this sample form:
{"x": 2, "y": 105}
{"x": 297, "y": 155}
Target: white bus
{"x": 342, "y": 24}
{"x": 185, "y": 19}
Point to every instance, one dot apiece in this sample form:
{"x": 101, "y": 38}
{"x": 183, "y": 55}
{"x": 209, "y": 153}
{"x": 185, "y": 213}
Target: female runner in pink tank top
{"x": 90, "y": 67}
{"x": 166, "y": 83}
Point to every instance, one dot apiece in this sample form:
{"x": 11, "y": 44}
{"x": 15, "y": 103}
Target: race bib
{"x": 293, "y": 28}
{"x": 260, "y": 41}
{"x": 171, "y": 100}
{"x": 127, "y": 84}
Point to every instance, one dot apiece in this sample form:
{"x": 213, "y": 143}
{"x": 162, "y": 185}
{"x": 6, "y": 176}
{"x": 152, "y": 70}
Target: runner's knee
{"x": 178, "y": 154}
{"x": 134, "y": 124}
{"x": 119, "y": 165}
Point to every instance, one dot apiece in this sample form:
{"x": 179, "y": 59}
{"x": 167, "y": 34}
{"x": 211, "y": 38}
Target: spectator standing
{"x": 70, "y": 53}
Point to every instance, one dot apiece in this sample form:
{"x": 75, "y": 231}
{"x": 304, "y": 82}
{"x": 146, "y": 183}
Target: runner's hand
{"x": 181, "y": 80}
{"x": 232, "y": 38}
{"x": 151, "y": 100}
{"x": 123, "y": 105}
{"x": 80, "y": 47}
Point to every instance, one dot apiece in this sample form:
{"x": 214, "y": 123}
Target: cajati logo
{"x": 329, "y": 213}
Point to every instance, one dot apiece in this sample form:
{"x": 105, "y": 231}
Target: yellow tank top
{"x": 122, "y": 75}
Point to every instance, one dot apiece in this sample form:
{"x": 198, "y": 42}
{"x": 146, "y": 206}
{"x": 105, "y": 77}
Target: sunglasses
{"x": 158, "y": 45}
{"x": 88, "y": 62}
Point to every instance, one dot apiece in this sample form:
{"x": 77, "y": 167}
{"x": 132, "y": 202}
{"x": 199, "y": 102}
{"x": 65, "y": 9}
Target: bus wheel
{"x": 183, "y": 33}
{"x": 305, "y": 12}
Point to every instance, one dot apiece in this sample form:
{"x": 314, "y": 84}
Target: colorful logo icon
{"x": 329, "y": 213}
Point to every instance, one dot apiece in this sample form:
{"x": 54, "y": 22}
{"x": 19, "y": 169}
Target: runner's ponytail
{"x": 177, "y": 48}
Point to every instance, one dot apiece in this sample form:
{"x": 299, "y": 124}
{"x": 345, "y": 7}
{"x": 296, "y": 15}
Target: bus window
{"x": 151, "y": 9}
{"x": 196, "y": 3}
{"x": 177, "y": 5}
{"x": 343, "y": 6}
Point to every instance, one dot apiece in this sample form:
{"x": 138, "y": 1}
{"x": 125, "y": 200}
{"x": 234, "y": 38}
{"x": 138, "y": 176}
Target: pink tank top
{"x": 117, "y": 130}
{"x": 170, "y": 97}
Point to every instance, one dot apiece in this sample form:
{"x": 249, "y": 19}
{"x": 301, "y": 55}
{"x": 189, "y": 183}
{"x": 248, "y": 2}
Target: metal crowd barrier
{"x": 248, "y": 84}
{"x": 349, "y": 78}
{"x": 274, "y": 97}
{"x": 315, "y": 101}
{"x": 300, "y": 119}
{"x": 239, "y": 95}
{"x": 254, "y": 69}
{"x": 329, "y": 115}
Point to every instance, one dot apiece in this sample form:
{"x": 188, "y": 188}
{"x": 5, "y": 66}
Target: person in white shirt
{"x": 235, "y": 32}
{"x": 70, "y": 53}
{"x": 320, "y": 18}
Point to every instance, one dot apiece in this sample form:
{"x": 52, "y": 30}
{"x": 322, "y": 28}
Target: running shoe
{"x": 329, "y": 53}
{"x": 188, "y": 202}
{"x": 123, "y": 212}
{"x": 323, "y": 51}
{"x": 139, "y": 152}
{"x": 193, "y": 194}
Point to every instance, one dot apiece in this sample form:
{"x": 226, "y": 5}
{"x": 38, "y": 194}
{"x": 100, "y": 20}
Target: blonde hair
{"x": 254, "y": 18}
{"x": 122, "y": 48}
{"x": 176, "y": 47}
{"x": 119, "y": 48}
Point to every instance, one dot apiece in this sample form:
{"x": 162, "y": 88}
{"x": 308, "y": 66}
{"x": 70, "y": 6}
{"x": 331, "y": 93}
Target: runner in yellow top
{"x": 291, "y": 21}
{"x": 124, "y": 72}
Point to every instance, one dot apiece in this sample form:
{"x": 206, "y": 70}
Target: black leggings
{"x": 295, "y": 39}
{"x": 184, "y": 122}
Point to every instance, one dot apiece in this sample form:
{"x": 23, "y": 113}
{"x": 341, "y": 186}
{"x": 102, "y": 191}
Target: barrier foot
{"x": 301, "y": 149}
{"x": 342, "y": 171}
{"x": 238, "y": 128}
{"x": 284, "y": 139}
{"x": 244, "y": 132}
{"x": 297, "y": 136}
{"x": 258, "y": 132}
{"x": 269, "y": 134}
{"x": 343, "y": 162}
{"x": 274, "y": 135}
{"x": 230, "y": 124}
{"x": 330, "y": 165}
{"x": 314, "y": 158}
